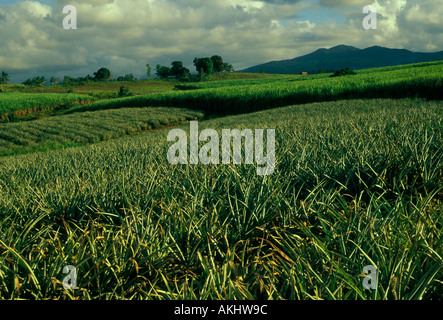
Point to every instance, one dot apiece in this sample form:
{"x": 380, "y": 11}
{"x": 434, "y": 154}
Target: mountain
{"x": 343, "y": 56}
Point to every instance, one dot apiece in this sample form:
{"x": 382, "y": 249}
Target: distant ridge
{"x": 343, "y": 56}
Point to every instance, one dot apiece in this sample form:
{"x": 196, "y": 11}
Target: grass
{"x": 18, "y": 105}
{"x": 83, "y": 128}
{"x": 357, "y": 182}
{"x": 380, "y": 72}
{"x": 415, "y": 81}
{"x": 19, "y": 102}
{"x": 136, "y": 87}
{"x": 227, "y": 93}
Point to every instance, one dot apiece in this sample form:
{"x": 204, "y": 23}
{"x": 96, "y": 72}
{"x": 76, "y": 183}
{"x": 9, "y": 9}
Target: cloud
{"x": 341, "y": 3}
{"x": 426, "y": 17}
{"x": 35, "y": 9}
{"x": 124, "y": 35}
{"x": 281, "y": 1}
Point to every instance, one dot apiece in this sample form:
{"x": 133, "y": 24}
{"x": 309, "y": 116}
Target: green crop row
{"x": 15, "y": 104}
{"x": 244, "y": 82}
{"x": 357, "y": 183}
{"x": 402, "y": 69}
{"x": 87, "y": 127}
{"x": 422, "y": 81}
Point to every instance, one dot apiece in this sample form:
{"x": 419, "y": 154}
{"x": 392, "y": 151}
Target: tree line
{"x": 204, "y": 66}
{"x": 102, "y": 74}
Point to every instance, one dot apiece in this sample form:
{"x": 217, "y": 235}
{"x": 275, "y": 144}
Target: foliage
{"x": 228, "y": 67}
{"x": 82, "y": 128}
{"x": 4, "y": 78}
{"x": 36, "y": 81}
{"x": 54, "y": 80}
{"x": 124, "y": 92}
{"x": 214, "y": 64}
{"x": 233, "y": 97}
{"x": 343, "y": 72}
{"x": 102, "y": 74}
{"x": 148, "y": 70}
{"x": 203, "y": 65}
{"x": 17, "y": 105}
{"x": 69, "y": 81}
{"x": 177, "y": 70}
{"x": 162, "y": 71}
{"x": 218, "y": 64}
{"x": 357, "y": 183}
{"x": 129, "y": 77}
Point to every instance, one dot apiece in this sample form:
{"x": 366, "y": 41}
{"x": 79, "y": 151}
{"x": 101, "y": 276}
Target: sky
{"x": 125, "y": 35}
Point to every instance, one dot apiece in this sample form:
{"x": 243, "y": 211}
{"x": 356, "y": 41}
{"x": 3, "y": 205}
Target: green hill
{"x": 342, "y": 56}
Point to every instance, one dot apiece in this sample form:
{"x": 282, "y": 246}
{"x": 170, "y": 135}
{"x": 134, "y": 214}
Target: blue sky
{"x": 316, "y": 14}
{"x": 124, "y": 35}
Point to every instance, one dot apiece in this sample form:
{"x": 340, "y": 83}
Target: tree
{"x": 123, "y": 92}
{"x": 162, "y": 71}
{"x": 68, "y": 80}
{"x": 128, "y": 77}
{"x": 185, "y": 72}
{"x": 343, "y": 72}
{"x": 178, "y": 70}
{"x": 204, "y": 65}
{"x": 36, "y": 81}
{"x": 148, "y": 70}
{"x": 4, "y": 78}
{"x": 102, "y": 74}
{"x": 228, "y": 67}
{"x": 54, "y": 80}
{"x": 218, "y": 64}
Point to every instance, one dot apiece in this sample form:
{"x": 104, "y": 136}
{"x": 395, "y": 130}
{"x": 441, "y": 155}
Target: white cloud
{"x": 35, "y": 9}
{"x": 389, "y": 10}
{"x": 124, "y": 35}
{"x": 341, "y": 3}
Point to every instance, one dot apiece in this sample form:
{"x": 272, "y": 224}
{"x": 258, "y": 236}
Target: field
{"x": 17, "y": 105}
{"x": 358, "y": 181}
{"x": 19, "y": 102}
{"x": 421, "y": 81}
{"x": 87, "y": 127}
